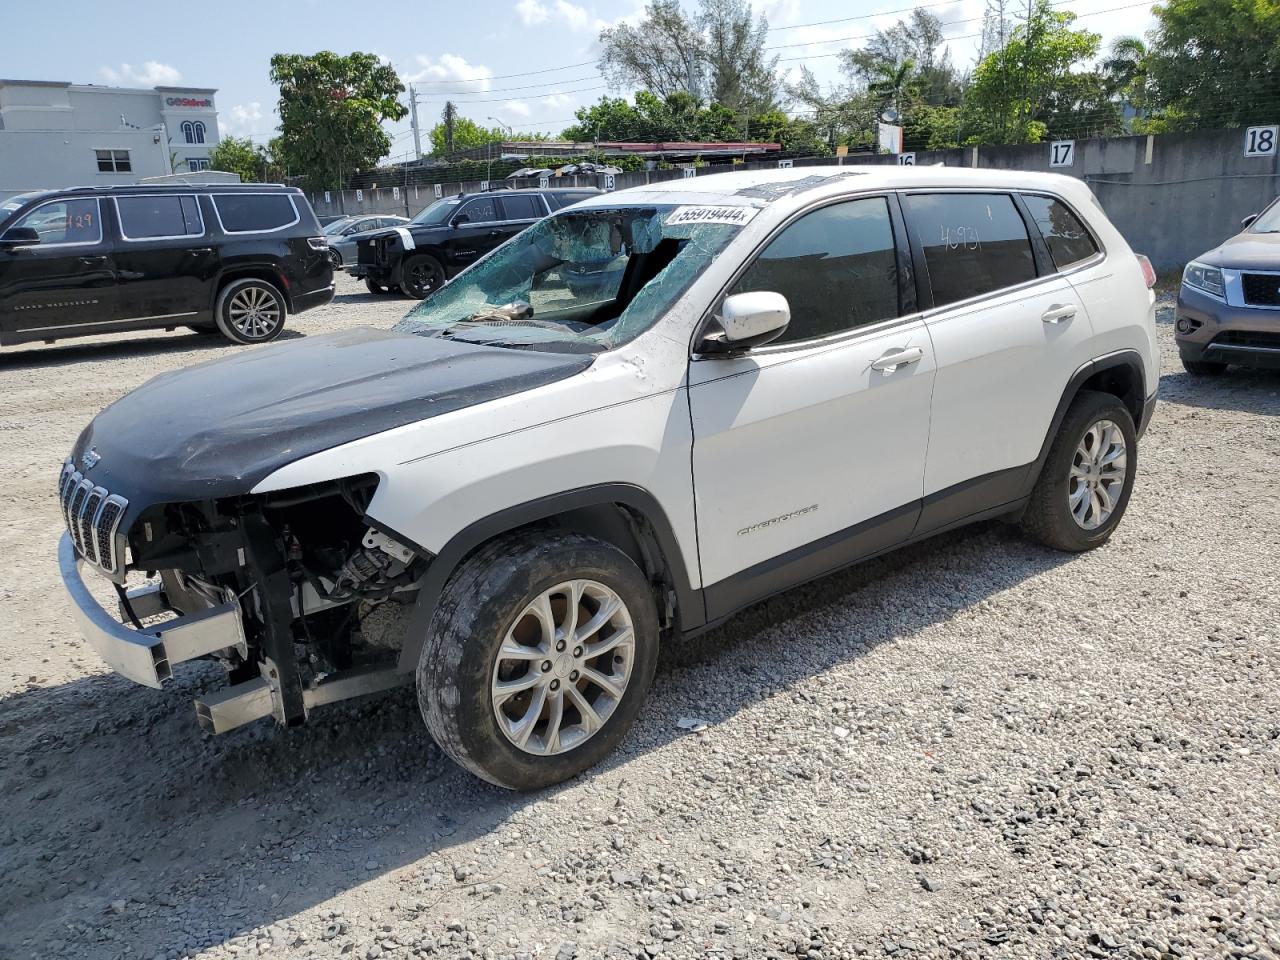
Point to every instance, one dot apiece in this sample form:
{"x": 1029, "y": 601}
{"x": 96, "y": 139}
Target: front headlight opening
{"x": 1204, "y": 277}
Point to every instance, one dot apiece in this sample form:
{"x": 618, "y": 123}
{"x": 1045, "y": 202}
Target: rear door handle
{"x": 1058, "y": 312}
{"x": 199, "y": 251}
{"x": 894, "y": 359}
{"x": 93, "y": 261}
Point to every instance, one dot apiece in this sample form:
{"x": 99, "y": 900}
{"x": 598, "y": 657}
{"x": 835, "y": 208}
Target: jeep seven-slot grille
{"x": 92, "y": 516}
{"x": 1261, "y": 289}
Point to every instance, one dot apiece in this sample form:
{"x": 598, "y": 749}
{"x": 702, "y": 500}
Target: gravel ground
{"x": 970, "y": 748}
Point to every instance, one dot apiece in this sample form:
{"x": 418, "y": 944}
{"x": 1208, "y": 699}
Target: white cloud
{"x": 519, "y": 107}
{"x": 531, "y": 12}
{"x": 558, "y": 100}
{"x": 243, "y": 119}
{"x": 468, "y": 77}
{"x": 150, "y": 74}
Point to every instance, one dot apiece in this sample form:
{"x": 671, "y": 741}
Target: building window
{"x": 113, "y": 161}
{"x": 197, "y": 163}
{"x": 193, "y": 131}
{"x": 198, "y": 127}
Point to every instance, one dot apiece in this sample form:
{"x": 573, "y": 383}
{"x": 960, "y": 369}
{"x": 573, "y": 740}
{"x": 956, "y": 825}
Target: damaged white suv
{"x": 635, "y": 418}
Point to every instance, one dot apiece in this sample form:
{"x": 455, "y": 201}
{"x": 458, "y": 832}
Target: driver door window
{"x": 65, "y": 221}
{"x": 836, "y": 266}
{"x": 479, "y": 211}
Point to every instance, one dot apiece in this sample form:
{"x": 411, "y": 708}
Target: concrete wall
{"x": 1173, "y": 196}
{"x": 41, "y": 159}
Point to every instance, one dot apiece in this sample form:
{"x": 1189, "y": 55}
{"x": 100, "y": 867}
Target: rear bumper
{"x": 313, "y": 298}
{"x": 146, "y": 656}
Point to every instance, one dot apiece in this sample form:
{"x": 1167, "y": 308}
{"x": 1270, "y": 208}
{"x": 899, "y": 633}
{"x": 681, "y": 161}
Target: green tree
{"x": 653, "y": 118}
{"x": 467, "y": 135}
{"x": 238, "y": 155}
{"x": 1216, "y": 63}
{"x": 741, "y": 76}
{"x": 1038, "y": 86}
{"x": 331, "y": 112}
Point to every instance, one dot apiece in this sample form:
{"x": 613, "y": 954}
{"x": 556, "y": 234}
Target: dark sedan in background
{"x": 1229, "y": 301}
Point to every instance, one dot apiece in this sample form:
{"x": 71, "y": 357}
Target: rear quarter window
{"x": 1068, "y": 239}
{"x": 254, "y": 212}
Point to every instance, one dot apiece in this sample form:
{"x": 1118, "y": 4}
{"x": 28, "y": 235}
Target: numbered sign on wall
{"x": 484, "y": 185}
{"x": 544, "y": 182}
{"x": 359, "y": 196}
{"x": 395, "y": 193}
{"x": 1260, "y": 141}
{"x": 784, "y": 164}
{"x": 608, "y": 182}
{"x": 690, "y": 172}
{"x": 1062, "y": 153}
{"x": 326, "y": 197}
{"x": 906, "y": 159}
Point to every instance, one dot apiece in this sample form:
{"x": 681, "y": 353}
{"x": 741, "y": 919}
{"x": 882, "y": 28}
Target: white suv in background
{"x": 518, "y": 492}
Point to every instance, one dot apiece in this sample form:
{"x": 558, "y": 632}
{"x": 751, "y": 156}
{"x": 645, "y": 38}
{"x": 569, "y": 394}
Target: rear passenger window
{"x": 836, "y": 266}
{"x": 973, "y": 243}
{"x": 250, "y": 212}
{"x": 146, "y": 218}
{"x": 1069, "y": 242}
{"x": 480, "y": 211}
{"x": 559, "y": 201}
{"x": 522, "y": 207}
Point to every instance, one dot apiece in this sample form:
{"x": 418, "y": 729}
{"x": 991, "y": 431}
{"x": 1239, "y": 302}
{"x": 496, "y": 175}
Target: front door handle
{"x": 199, "y": 251}
{"x": 894, "y": 359}
{"x": 1058, "y": 312}
{"x": 93, "y": 261}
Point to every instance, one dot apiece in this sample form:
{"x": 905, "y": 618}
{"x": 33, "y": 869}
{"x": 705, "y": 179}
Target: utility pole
{"x": 413, "y": 114}
{"x": 450, "y": 115}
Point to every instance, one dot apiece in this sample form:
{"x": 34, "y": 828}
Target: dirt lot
{"x": 970, "y": 748}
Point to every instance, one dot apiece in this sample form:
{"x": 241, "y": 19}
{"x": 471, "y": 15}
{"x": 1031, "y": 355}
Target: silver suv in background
{"x": 1229, "y": 301}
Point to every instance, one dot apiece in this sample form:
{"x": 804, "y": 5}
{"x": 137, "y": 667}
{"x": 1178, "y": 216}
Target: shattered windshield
{"x": 582, "y": 280}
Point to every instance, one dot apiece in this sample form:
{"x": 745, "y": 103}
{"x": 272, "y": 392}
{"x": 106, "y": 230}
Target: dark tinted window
{"x": 1068, "y": 240}
{"x": 522, "y": 206}
{"x": 66, "y": 221}
{"x": 559, "y": 201}
{"x": 480, "y": 211}
{"x": 973, "y": 243}
{"x": 836, "y": 267}
{"x": 158, "y": 216}
{"x": 241, "y": 213}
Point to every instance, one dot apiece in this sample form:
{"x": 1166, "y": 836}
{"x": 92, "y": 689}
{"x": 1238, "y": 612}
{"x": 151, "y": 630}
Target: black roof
{"x": 169, "y": 188}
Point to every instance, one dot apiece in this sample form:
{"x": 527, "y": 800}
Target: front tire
{"x": 421, "y": 276}
{"x": 1084, "y": 487}
{"x": 538, "y": 657}
{"x": 1204, "y": 368}
{"x": 250, "y": 311}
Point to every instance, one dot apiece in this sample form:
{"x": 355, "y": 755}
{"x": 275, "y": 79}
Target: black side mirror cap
{"x": 20, "y": 237}
{"x": 1248, "y": 220}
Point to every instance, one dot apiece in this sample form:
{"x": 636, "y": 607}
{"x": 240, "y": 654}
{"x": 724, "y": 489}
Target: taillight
{"x": 318, "y": 243}
{"x": 1148, "y": 271}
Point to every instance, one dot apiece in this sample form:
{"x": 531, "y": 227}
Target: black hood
{"x": 217, "y": 429}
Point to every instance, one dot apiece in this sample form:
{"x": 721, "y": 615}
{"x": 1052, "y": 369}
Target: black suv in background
{"x": 450, "y": 235}
{"x": 87, "y": 260}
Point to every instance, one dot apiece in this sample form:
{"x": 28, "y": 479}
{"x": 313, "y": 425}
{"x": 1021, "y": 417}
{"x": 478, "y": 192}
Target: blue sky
{"x": 528, "y": 63}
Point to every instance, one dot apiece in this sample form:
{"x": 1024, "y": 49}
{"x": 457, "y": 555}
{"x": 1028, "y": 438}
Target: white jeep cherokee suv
{"x": 516, "y": 493}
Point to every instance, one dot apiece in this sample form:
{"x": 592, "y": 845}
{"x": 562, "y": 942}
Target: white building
{"x": 56, "y": 134}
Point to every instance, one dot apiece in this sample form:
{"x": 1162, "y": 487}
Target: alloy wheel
{"x": 255, "y": 312}
{"x": 1098, "y": 471}
{"x": 563, "y": 667}
{"x": 423, "y": 279}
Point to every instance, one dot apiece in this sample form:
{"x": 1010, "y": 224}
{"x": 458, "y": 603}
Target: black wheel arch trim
{"x": 690, "y": 612}
{"x": 1086, "y": 371}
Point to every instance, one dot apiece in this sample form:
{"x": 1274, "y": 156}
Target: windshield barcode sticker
{"x": 732, "y": 215}
{"x": 406, "y": 237}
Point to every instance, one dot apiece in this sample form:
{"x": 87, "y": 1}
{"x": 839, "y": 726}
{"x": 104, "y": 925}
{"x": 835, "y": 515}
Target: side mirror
{"x": 19, "y": 237}
{"x": 748, "y": 320}
{"x": 1248, "y": 220}
{"x": 459, "y": 220}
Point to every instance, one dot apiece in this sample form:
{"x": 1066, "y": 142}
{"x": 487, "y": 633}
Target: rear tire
{"x": 1204, "y": 368}
{"x": 503, "y": 620}
{"x": 421, "y": 276}
{"x": 379, "y": 288}
{"x": 1080, "y": 495}
{"x": 250, "y": 311}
